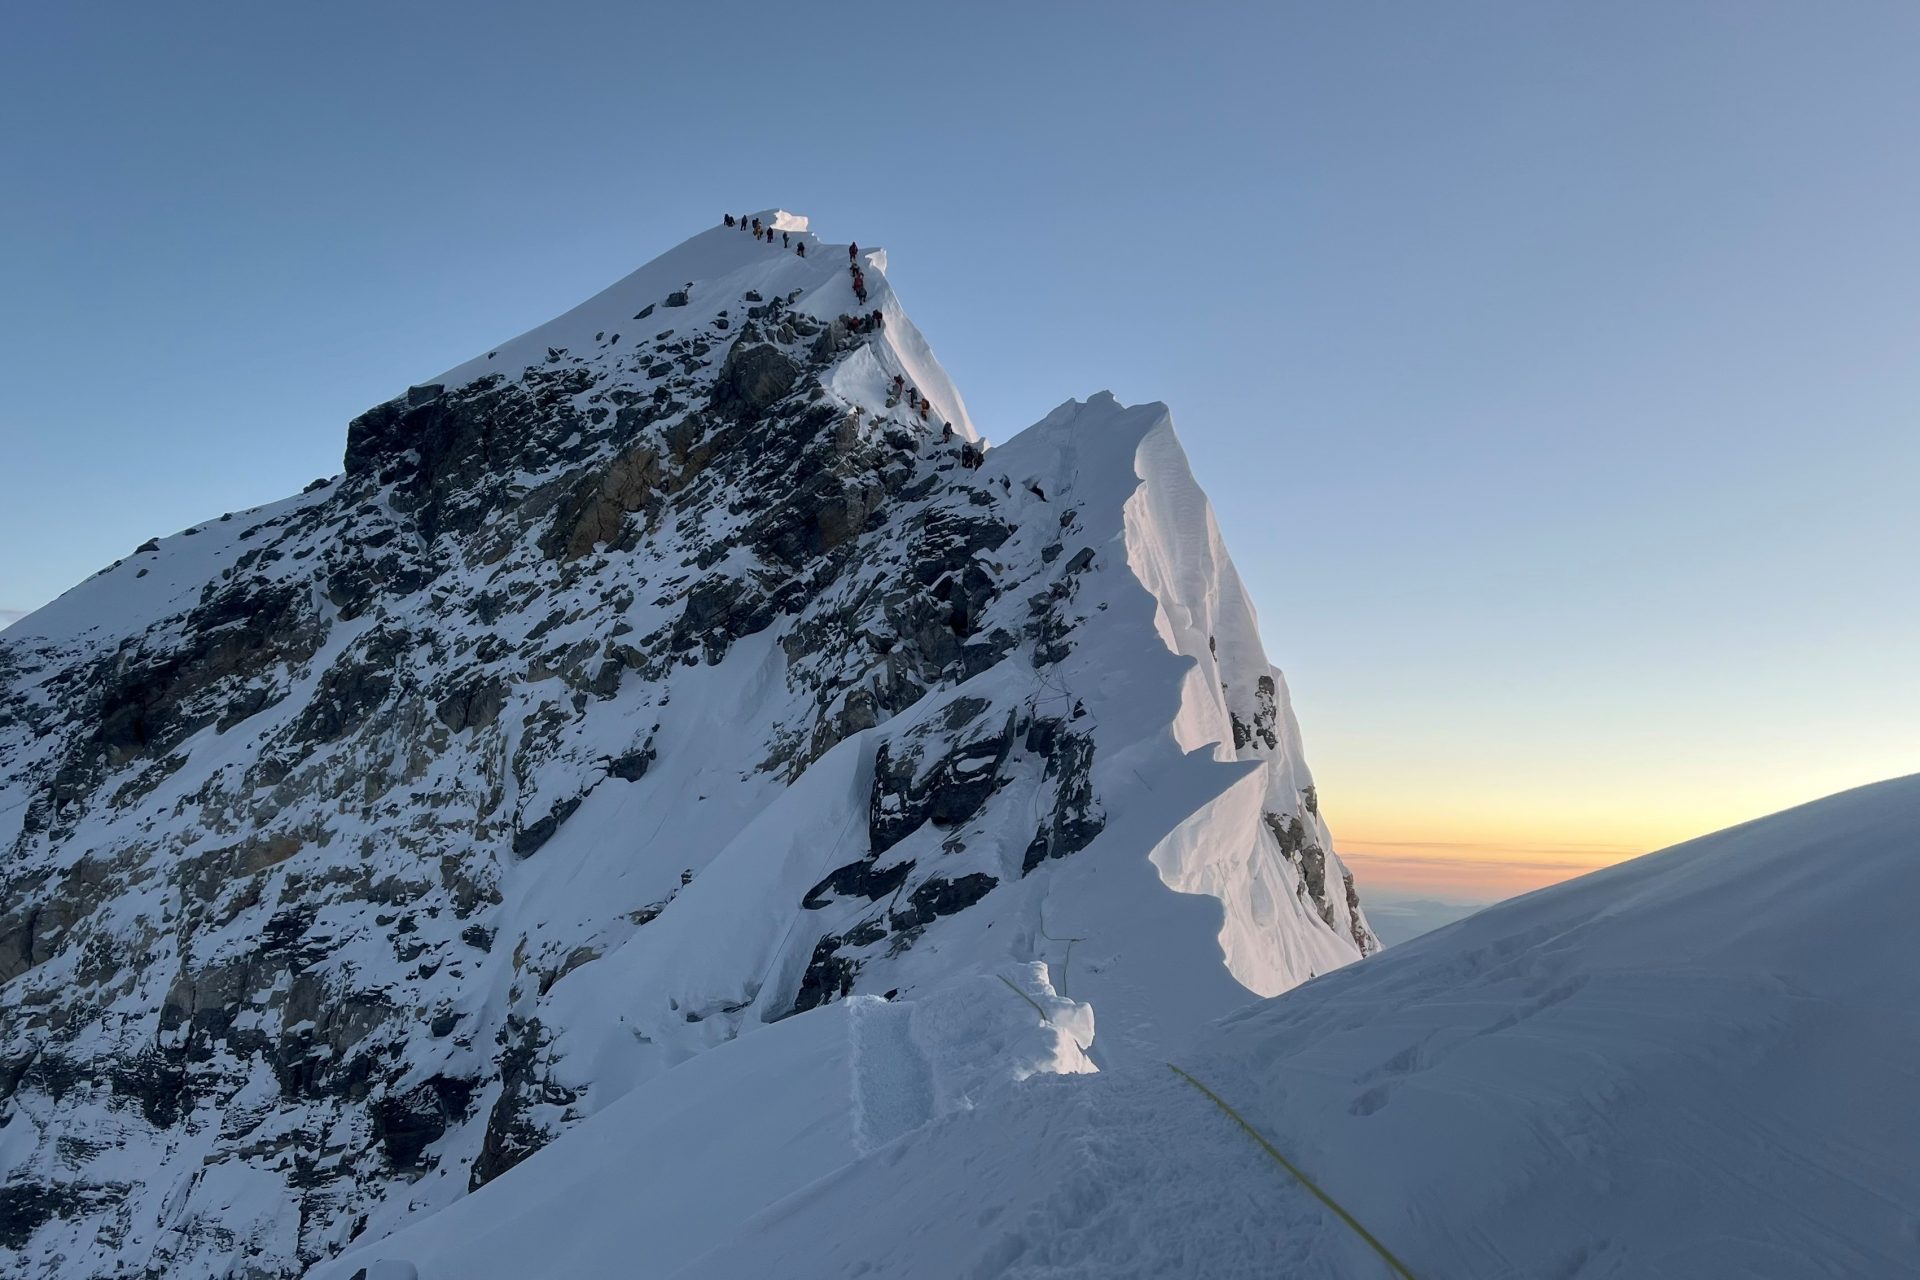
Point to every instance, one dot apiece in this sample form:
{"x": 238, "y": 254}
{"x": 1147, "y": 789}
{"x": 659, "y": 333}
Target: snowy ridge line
{"x": 656, "y": 683}
{"x": 1373, "y": 1242}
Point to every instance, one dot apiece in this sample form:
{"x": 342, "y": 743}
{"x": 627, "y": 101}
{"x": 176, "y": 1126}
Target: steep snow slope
{"x": 650, "y": 679}
{"x": 1703, "y": 1063}
{"x": 675, "y": 1167}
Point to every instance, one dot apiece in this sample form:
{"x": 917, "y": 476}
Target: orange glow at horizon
{"x": 1484, "y": 856}
{"x": 1474, "y": 871}
{"x": 1437, "y": 836}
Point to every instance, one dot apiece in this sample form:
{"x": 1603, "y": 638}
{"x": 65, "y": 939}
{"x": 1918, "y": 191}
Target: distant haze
{"x": 1396, "y": 919}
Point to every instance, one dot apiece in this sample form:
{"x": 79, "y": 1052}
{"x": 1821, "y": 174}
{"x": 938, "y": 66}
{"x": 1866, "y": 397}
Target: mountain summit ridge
{"x": 639, "y": 685}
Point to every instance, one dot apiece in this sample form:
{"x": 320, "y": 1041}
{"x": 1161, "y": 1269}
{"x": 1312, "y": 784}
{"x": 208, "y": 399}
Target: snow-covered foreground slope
{"x": 660, "y": 675}
{"x": 1703, "y": 1063}
{"x": 674, "y": 1168}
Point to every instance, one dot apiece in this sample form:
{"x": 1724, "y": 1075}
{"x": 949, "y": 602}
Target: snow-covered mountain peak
{"x": 682, "y": 668}
{"x": 705, "y": 279}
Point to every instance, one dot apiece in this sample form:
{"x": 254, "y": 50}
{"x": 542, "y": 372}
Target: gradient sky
{"x": 1554, "y": 368}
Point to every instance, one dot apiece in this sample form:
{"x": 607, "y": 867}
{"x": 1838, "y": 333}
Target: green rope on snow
{"x": 1024, "y": 996}
{"x": 1399, "y": 1268}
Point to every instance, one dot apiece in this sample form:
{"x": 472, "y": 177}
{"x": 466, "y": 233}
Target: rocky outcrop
{"x": 909, "y": 789}
{"x": 1075, "y": 818}
{"x": 753, "y": 378}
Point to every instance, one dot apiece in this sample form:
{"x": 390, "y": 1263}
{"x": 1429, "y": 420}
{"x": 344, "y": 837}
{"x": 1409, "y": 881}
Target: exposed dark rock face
{"x": 1310, "y": 860}
{"x": 751, "y": 380}
{"x": 935, "y": 779}
{"x": 406, "y": 1124}
{"x": 863, "y": 878}
{"x": 1361, "y": 938}
{"x": 391, "y": 671}
{"x": 942, "y": 897}
{"x": 596, "y": 515}
{"x": 908, "y": 791}
{"x": 1263, "y": 729}
{"x": 1076, "y": 818}
{"x": 518, "y": 1124}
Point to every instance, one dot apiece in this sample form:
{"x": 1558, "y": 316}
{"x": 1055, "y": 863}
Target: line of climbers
{"x": 971, "y": 454}
{"x": 765, "y": 231}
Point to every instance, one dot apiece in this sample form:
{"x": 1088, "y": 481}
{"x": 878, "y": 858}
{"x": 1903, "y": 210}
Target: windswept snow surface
{"x": 669, "y": 1171}
{"x": 1703, "y": 1063}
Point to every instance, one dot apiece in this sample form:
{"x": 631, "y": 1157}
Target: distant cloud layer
{"x": 1474, "y": 872}
{"x": 10, "y": 616}
{"x": 1397, "y": 920}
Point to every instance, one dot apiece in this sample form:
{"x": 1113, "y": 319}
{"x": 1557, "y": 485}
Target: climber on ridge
{"x": 801, "y": 248}
{"x": 853, "y": 251}
{"x": 729, "y": 218}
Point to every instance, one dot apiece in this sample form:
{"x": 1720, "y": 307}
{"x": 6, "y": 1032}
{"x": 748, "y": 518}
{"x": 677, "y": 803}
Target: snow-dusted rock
{"x": 643, "y": 682}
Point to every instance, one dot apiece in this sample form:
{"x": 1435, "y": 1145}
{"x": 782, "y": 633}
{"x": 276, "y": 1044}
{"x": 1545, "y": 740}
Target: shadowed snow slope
{"x": 1703, "y": 1063}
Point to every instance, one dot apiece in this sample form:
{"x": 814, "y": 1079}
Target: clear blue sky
{"x": 1555, "y": 368}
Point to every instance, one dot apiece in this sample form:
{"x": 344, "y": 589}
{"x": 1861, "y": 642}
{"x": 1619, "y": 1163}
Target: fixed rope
{"x": 1399, "y": 1268}
{"x": 1024, "y": 996}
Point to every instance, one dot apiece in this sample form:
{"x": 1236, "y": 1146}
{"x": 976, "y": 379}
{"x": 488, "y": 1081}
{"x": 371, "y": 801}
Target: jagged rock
{"x": 514, "y": 1125}
{"x": 942, "y": 897}
{"x": 1311, "y": 862}
{"x": 406, "y": 1124}
{"x": 633, "y": 765}
{"x": 1076, "y": 818}
{"x": 1263, "y": 729}
{"x": 528, "y": 839}
{"x": 860, "y": 879}
{"x": 473, "y": 707}
{"x": 751, "y": 379}
{"x": 599, "y": 510}
{"x": 907, "y": 792}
